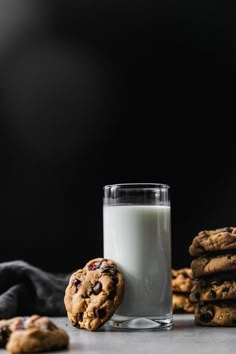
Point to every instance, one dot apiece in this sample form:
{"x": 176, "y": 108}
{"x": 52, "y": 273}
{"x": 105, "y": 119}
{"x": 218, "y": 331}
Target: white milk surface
{"x": 138, "y": 238}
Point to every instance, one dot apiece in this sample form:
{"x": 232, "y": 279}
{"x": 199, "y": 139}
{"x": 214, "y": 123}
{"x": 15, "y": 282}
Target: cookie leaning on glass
{"x": 94, "y": 293}
{"x": 214, "y": 270}
{"x": 181, "y": 287}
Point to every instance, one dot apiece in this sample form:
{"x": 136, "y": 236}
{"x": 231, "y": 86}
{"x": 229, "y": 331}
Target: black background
{"x": 111, "y": 92}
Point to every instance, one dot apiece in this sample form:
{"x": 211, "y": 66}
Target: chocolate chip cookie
{"x": 181, "y": 303}
{"x": 182, "y": 280}
{"x": 216, "y": 313}
{"x": 219, "y": 287}
{"x": 94, "y": 293}
{"x": 213, "y": 240}
{"x": 6, "y": 329}
{"x": 181, "y": 287}
{"x": 31, "y": 335}
{"x": 206, "y": 265}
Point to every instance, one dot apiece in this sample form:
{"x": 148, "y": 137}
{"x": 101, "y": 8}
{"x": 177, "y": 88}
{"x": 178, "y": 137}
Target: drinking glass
{"x": 137, "y": 236}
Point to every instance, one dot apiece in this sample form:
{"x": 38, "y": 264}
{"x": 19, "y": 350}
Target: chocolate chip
{"x": 112, "y": 294}
{"x": 97, "y": 288}
{"x": 75, "y": 324}
{"x": 225, "y": 289}
{"x": 4, "y": 334}
{"x": 80, "y": 316}
{"x": 109, "y": 269}
{"x": 95, "y": 265}
{"x": 185, "y": 275}
{"x": 113, "y": 271}
{"x": 229, "y": 256}
{"x": 76, "y": 282}
{"x": 216, "y": 282}
{"x": 197, "y": 295}
{"x": 208, "y": 315}
{"x": 100, "y": 313}
{"x": 213, "y": 294}
{"x": 114, "y": 280}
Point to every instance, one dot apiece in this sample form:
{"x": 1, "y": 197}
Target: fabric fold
{"x": 25, "y": 289}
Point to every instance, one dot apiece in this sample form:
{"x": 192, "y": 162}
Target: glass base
{"x": 140, "y": 323}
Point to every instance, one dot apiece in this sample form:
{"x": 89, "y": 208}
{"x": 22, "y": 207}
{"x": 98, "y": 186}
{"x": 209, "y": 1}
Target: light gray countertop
{"x": 185, "y": 337}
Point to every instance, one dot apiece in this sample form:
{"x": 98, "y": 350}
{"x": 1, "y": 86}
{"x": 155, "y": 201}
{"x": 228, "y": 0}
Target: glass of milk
{"x": 137, "y": 236}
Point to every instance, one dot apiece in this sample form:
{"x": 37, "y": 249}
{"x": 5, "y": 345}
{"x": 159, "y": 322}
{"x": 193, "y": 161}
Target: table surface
{"x": 185, "y": 337}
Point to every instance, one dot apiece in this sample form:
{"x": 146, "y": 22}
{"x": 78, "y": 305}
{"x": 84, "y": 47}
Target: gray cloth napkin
{"x": 27, "y": 290}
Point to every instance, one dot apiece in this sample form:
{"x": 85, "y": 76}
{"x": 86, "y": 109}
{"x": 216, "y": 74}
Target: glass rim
{"x": 141, "y": 186}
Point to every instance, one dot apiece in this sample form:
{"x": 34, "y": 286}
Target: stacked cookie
{"x": 181, "y": 287}
{"x": 214, "y": 273}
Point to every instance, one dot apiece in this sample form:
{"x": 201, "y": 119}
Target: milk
{"x": 138, "y": 238}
